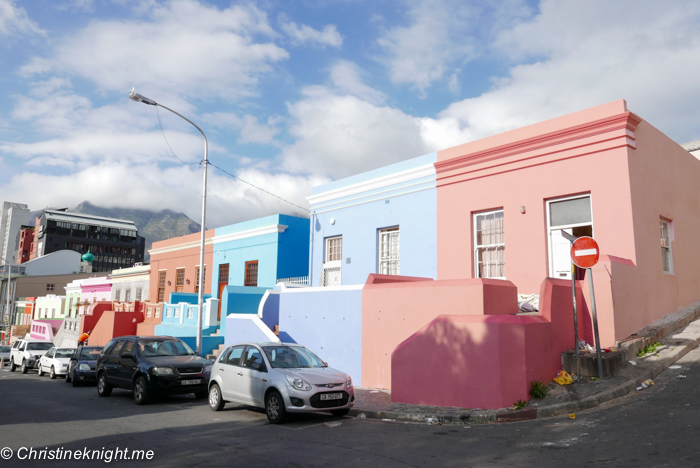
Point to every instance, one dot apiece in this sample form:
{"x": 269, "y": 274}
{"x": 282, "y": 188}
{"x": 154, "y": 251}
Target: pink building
{"x": 502, "y": 203}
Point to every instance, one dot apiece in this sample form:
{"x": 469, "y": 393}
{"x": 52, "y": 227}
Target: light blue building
{"x": 382, "y": 221}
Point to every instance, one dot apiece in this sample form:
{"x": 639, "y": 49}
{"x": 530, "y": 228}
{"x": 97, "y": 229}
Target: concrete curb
{"x": 679, "y": 350}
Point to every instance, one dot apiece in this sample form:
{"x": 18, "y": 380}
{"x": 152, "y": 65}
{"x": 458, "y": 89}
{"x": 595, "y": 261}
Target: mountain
{"x": 154, "y": 226}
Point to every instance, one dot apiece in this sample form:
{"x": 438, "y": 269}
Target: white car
{"x": 55, "y": 361}
{"x": 26, "y": 352}
{"x": 280, "y": 377}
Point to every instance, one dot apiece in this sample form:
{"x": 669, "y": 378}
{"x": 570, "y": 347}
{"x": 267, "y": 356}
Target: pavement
{"x": 678, "y": 333}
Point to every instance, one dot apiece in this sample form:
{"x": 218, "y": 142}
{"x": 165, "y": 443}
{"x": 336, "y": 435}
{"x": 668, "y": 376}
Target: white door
{"x": 561, "y": 257}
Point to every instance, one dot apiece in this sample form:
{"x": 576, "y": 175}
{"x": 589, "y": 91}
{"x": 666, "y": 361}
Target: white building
{"x": 131, "y": 284}
{"x": 49, "y": 307}
{"x": 12, "y": 217}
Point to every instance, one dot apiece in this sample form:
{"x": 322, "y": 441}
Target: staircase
{"x": 214, "y": 355}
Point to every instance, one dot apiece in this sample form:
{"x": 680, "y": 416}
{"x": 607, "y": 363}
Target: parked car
{"x": 5, "y": 352}
{"x": 25, "y": 353}
{"x": 55, "y": 361}
{"x": 151, "y": 365}
{"x": 81, "y": 367}
{"x": 280, "y": 377}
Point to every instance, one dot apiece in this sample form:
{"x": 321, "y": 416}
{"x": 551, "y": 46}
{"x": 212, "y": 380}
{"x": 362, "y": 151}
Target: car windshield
{"x": 39, "y": 346}
{"x": 64, "y": 352}
{"x": 4, "y": 349}
{"x": 292, "y": 357}
{"x": 90, "y": 353}
{"x": 164, "y": 348}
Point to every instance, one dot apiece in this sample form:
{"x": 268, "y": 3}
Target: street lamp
{"x": 6, "y": 315}
{"x": 200, "y": 300}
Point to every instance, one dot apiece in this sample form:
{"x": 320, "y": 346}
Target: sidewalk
{"x": 564, "y": 399}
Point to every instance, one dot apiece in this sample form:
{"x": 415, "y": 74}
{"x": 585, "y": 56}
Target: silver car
{"x": 280, "y": 377}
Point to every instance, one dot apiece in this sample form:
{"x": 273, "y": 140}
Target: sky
{"x": 295, "y": 94}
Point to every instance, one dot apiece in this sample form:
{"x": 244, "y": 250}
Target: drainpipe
{"x": 311, "y": 249}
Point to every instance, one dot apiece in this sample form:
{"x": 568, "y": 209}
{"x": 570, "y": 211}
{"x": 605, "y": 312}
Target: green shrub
{"x": 538, "y": 390}
{"x": 648, "y": 349}
{"x": 520, "y": 404}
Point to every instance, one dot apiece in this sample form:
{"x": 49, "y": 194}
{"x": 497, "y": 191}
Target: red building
{"x": 24, "y": 246}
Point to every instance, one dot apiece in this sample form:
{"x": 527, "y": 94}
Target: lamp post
{"x": 200, "y": 300}
{"x": 6, "y": 315}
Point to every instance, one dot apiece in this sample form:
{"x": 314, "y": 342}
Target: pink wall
{"x": 44, "y": 329}
{"x": 391, "y": 312}
{"x": 485, "y": 361}
{"x": 112, "y": 324}
{"x": 581, "y": 153}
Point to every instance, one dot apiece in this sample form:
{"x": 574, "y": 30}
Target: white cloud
{"x": 185, "y": 48}
{"x": 127, "y": 185}
{"x": 304, "y": 34}
{"x": 347, "y": 77}
{"x": 576, "y": 55}
{"x": 441, "y": 33}
{"x": 14, "y": 20}
{"x": 251, "y": 130}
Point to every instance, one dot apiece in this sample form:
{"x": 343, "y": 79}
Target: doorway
{"x": 574, "y": 216}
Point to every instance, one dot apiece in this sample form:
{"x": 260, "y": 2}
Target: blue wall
{"x": 411, "y": 205}
{"x": 293, "y": 257}
{"x": 190, "y": 298}
{"x": 328, "y": 322}
{"x": 239, "y": 300}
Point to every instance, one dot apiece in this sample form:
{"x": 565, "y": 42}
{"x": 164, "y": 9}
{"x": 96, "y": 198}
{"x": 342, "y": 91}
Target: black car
{"x": 151, "y": 365}
{"x": 81, "y": 367}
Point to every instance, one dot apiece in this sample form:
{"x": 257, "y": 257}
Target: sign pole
{"x": 578, "y": 356}
{"x": 595, "y": 326}
{"x": 571, "y": 239}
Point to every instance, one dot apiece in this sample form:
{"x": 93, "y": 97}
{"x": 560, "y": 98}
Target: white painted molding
{"x": 261, "y": 306}
{"x": 273, "y": 229}
{"x": 259, "y": 323}
{"x": 320, "y": 289}
{"x": 369, "y": 200}
{"x": 373, "y": 184}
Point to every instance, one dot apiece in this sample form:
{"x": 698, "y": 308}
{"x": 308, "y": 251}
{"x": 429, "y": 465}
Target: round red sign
{"x": 585, "y": 252}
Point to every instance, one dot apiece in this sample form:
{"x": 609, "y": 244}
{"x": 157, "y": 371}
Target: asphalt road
{"x": 655, "y": 427}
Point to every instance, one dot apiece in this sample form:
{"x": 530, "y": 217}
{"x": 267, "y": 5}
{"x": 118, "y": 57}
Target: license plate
{"x": 190, "y": 382}
{"x": 331, "y": 396}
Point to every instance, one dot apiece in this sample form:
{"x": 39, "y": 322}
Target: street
{"x": 654, "y": 427}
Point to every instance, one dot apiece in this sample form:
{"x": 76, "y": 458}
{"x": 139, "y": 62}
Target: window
{"x": 252, "y": 356}
{"x": 572, "y": 215}
{"x": 251, "y": 273}
{"x": 161, "y": 286}
{"x": 666, "y": 256}
{"x": 180, "y": 280}
{"x": 139, "y": 293}
{"x": 234, "y": 357}
{"x": 117, "y": 294}
{"x": 196, "y": 278}
{"x": 331, "y": 274}
{"x": 127, "y": 295}
{"x": 116, "y": 350}
{"x": 389, "y": 251}
{"x": 50, "y": 287}
{"x": 489, "y": 245}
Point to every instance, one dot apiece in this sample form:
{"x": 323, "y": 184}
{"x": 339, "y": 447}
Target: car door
{"x": 228, "y": 371}
{"x": 45, "y": 360}
{"x": 251, "y": 373}
{"x": 112, "y": 364}
{"x": 127, "y": 364}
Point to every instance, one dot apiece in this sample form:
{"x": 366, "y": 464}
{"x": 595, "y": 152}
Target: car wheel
{"x": 141, "y": 394}
{"x": 274, "y": 407}
{"x": 24, "y": 369}
{"x": 340, "y": 412}
{"x": 103, "y": 389}
{"x": 68, "y": 378}
{"x": 216, "y": 403}
{"x": 53, "y": 373}
{"x": 13, "y": 366}
{"x": 40, "y": 371}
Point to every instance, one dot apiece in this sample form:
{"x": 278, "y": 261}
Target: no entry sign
{"x": 585, "y": 252}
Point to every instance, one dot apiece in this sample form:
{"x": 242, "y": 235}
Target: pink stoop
{"x": 487, "y": 361}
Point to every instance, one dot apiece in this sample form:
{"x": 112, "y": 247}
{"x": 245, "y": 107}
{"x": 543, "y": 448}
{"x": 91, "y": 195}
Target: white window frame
{"x": 666, "y": 241}
{"x": 476, "y": 246}
{"x": 332, "y": 264}
{"x": 550, "y": 254}
{"x": 386, "y": 262}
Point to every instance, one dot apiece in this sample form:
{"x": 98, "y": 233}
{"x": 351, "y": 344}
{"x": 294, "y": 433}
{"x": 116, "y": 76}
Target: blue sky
{"x": 292, "y": 94}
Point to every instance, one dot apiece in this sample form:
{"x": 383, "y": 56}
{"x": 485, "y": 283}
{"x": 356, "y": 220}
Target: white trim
{"x": 324, "y": 288}
{"x": 274, "y": 229}
{"x": 261, "y": 306}
{"x": 258, "y": 322}
{"x": 373, "y": 184}
{"x": 434, "y": 187}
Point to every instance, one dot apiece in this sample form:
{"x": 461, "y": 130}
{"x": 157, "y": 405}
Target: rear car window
{"x": 39, "y": 346}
